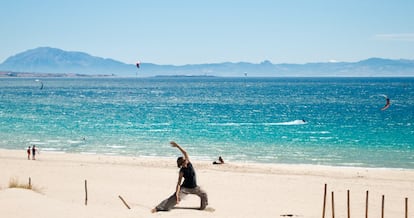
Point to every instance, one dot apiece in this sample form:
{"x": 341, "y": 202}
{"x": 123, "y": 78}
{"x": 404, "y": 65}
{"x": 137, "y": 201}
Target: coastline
{"x": 234, "y": 189}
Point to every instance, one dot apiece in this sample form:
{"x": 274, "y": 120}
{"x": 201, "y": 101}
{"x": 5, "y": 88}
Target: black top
{"x": 190, "y": 180}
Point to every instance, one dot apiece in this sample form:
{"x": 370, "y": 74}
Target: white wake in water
{"x": 289, "y": 123}
{"x": 293, "y": 122}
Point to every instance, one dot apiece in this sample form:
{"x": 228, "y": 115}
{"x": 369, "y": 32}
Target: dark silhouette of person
{"x": 220, "y": 161}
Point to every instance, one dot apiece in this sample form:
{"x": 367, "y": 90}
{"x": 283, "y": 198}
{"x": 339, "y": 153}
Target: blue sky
{"x": 212, "y": 31}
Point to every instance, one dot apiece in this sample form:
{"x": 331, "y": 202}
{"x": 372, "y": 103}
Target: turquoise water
{"x": 241, "y": 119}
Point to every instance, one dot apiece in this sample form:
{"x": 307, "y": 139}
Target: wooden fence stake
{"x": 86, "y": 192}
{"x": 348, "y": 205}
{"x": 406, "y": 207}
{"x": 382, "y": 207}
{"x": 324, "y": 202}
{"x": 30, "y": 183}
{"x": 366, "y": 205}
{"x": 333, "y": 206}
{"x": 124, "y": 202}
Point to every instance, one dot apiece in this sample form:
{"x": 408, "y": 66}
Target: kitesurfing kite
{"x": 387, "y": 104}
{"x": 41, "y": 83}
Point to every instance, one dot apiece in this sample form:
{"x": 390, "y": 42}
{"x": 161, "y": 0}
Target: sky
{"x": 212, "y": 31}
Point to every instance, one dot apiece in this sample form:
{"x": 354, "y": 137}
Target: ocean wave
{"x": 293, "y": 122}
{"x": 290, "y": 123}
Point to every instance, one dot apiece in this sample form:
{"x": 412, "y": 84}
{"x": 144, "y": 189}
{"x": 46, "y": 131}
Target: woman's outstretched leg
{"x": 166, "y": 204}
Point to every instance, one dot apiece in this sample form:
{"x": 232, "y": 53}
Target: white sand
{"x": 234, "y": 189}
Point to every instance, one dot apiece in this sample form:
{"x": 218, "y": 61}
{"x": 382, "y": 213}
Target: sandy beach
{"x": 234, "y": 189}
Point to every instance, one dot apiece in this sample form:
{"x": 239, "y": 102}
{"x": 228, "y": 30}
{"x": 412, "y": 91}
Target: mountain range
{"x": 56, "y": 61}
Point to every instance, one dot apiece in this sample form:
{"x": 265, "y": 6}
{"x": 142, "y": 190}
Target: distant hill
{"x": 53, "y": 60}
{"x": 48, "y": 60}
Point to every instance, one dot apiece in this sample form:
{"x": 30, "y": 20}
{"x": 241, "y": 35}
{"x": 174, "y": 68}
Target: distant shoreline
{"x": 10, "y": 74}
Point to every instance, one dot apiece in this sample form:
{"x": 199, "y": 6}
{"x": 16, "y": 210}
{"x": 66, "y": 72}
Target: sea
{"x": 316, "y": 121}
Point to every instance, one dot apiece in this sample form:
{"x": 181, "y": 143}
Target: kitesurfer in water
{"x": 41, "y": 83}
{"x": 387, "y": 104}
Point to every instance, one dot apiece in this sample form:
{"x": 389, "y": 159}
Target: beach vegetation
{"x": 14, "y": 183}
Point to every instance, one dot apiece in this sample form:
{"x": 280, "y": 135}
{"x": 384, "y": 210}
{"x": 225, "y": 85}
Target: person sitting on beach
{"x": 220, "y": 161}
{"x": 188, "y": 186}
{"x": 28, "y": 153}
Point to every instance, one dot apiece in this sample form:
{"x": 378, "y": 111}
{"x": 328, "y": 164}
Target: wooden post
{"x": 348, "y": 204}
{"x": 30, "y": 183}
{"x": 324, "y": 202}
{"x": 333, "y": 206}
{"x": 382, "y": 207}
{"x": 86, "y": 192}
{"x": 124, "y": 202}
{"x": 366, "y": 205}
{"x": 406, "y": 207}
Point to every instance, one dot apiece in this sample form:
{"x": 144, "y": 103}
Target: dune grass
{"x": 14, "y": 183}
